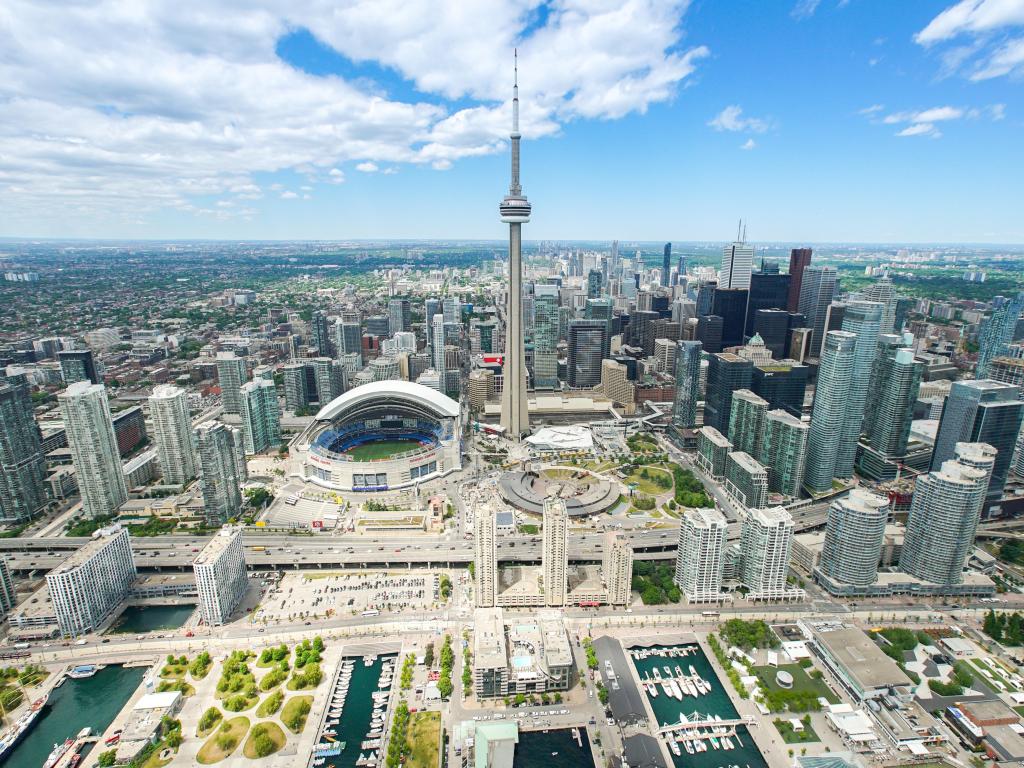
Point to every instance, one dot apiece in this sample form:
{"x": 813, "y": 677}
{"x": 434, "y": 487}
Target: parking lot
{"x": 333, "y": 594}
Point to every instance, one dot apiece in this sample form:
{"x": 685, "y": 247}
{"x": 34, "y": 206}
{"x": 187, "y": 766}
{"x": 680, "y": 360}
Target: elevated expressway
{"x": 278, "y": 551}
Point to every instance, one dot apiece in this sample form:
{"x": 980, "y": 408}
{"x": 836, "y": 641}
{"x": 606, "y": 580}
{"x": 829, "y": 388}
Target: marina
{"x": 696, "y": 719}
{"x": 354, "y": 725}
{"x": 92, "y": 702}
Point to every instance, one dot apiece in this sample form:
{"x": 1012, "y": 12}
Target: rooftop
{"x": 100, "y": 540}
{"x": 215, "y": 547}
{"x": 862, "y": 659}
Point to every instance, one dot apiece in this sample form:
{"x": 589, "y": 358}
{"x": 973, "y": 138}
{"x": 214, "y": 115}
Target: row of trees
{"x": 1005, "y": 628}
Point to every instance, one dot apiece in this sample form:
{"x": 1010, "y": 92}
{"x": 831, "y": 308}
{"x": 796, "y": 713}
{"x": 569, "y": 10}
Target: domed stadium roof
{"x": 379, "y": 392}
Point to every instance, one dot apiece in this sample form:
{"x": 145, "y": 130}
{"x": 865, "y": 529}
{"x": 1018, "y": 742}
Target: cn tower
{"x": 515, "y": 210}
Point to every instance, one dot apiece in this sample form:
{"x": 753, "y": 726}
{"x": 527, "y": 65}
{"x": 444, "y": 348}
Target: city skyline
{"x": 675, "y": 117}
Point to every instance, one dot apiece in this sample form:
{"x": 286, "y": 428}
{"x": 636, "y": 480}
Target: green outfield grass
{"x": 380, "y": 449}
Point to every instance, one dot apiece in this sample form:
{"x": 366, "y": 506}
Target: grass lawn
{"x": 173, "y": 671}
{"x": 380, "y": 449}
{"x": 997, "y": 672}
{"x": 216, "y": 724}
{"x": 211, "y": 751}
{"x": 176, "y": 685}
{"x": 785, "y": 729}
{"x": 154, "y": 761}
{"x": 647, "y": 485}
{"x": 272, "y": 730}
{"x": 290, "y": 708}
{"x": 801, "y": 681}
{"x": 424, "y": 739}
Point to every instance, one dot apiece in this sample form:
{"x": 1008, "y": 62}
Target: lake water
{"x": 715, "y": 702}
{"x": 536, "y": 749}
{"x": 136, "y": 619}
{"x": 93, "y": 701}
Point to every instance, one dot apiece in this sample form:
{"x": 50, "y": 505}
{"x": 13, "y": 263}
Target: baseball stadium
{"x": 382, "y": 435}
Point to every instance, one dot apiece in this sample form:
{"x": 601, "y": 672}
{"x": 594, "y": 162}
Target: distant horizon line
{"x": 501, "y": 241}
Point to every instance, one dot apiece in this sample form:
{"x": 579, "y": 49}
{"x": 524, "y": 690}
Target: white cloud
{"x": 971, "y": 16}
{"x": 749, "y": 144}
{"x": 367, "y": 167}
{"x": 935, "y": 114}
{"x": 114, "y": 109}
{"x": 872, "y": 109}
{"x": 731, "y": 119}
{"x": 288, "y": 195}
{"x": 921, "y": 129}
{"x": 989, "y": 53}
{"x": 804, "y": 9}
{"x": 997, "y": 111}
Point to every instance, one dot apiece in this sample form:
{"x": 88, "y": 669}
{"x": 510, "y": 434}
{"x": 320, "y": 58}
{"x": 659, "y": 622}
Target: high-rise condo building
{"x": 261, "y": 416}
{"x": 221, "y": 578}
{"x": 666, "y": 264}
{"x": 895, "y": 381}
{"x": 93, "y": 448}
{"x": 297, "y": 396}
{"x": 854, "y": 534}
{"x": 684, "y": 409}
{"x": 78, "y": 365}
{"x": 768, "y": 290}
{"x": 485, "y": 558}
{"x": 329, "y": 376}
{"x": 437, "y": 337}
{"x": 515, "y": 211}
{"x": 701, "y": 555}
{"x": 617, "y": 567}
{"x": 817, "y": 288}
{"x": 829, "y": 412}
{"x": 587, "y": 341}
{"x": 746, "y": 480}
{"x": 8, "y": 596}
{"x": 319, "y": 334}
{"x": 709, "y": 332}
{"x": 766, "y": 536}
{"x": 93, "y": 581}
{"x": 172, "y": 430}
{"x": 746, "y": 421}
{"x": 220, "y": 477}
{"x": 555, "y": 555}
{"x": 884, "y": 292}
{"x": 232, "y": 373}
{"x": 862, "y": 319}
{"x": 348, "y": 335}
{"x": 996, "y": 332}
{"x": 982, "y": 411}
{"x": 22, "y": 462}
{"x": 799, "y": 260}
{"x": 944, "y": 515}
{"x": 594, "y": 284}
{"x": 783, "y": 450}
{"x": 712, "y": 452}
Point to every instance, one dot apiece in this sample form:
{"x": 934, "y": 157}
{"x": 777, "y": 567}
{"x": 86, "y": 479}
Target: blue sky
{"x": 649, "y": 121}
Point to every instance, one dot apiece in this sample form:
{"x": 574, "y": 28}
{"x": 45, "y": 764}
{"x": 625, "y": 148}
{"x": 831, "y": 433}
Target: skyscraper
{"x": 594, "y": 284}
{"x": 817, "y": 288}
{"x": 555, "y": 555}
{"x": 766, "y": 536}
{"x": 895, "y": 380}
{"x": 318, "y": 333}
{"x": 995, "y": 333}
{"x": 884, "y": 292}
{"x": 684, "y": 409}
{"x": 348, "y": 335}
{"x": 709, "y": 332}
{"x": 219, "y": 472}
{"x": 701, "y": 555}
{"x": 296, "y": 389}
{"x": 737, "y": 262}
{"x": 768, "y": 290}
{"x": 515, "y": 211}
{"x": 783, "y": 383}
{"x": 545, "y": 337}
{"x": 438, "y": 342}
{"x": 261, "y": 416}
{"x": 982, "y": 411}
{"x": 22, "y": 463}
{"x": 746, "y": 480}
{"x": 172, "y": 430}
{"x": 862, "y": 319}
{"x": 783, "y": 450}
{"x": 587, "y": 342}
{"x": 666, "y": 264}
{"x": 485, "y": 558}
{"x": 232, "y": 373}
{"x": 746, "y": 421}
{"x": 221, "y": 579}
{"x": 78, "y": 365}
{"x": 944, "y": 515}
{"x": 399, "y": 315}
{"x": 828, "y": 415}
{"x": 799, "y": 260}
{"x": 727, "y": 372}
{"x": 854, "y": 534}
{"x": 617, "y": 567}
{"x": 93, "y": 448}
{"x": 730, "y": 304}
